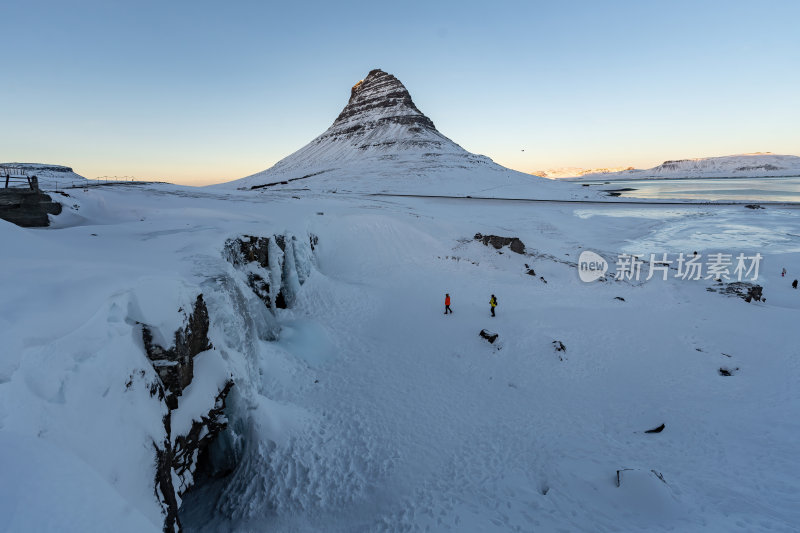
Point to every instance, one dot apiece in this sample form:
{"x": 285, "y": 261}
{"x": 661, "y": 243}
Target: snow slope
{"x": 381, "y": 142}
{"x": 733, "y": 166}
{"x": 372, "y": 410}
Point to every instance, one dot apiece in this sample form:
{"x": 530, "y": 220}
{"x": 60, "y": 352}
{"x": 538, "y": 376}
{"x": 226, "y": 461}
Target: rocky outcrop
{"x": 275, "y": 267}
{"x": 26, "y": 207}
{"x": 497, "y": 242}
{"x": 746, "y": 291}
{"x": 33, "y": 168}
{"x": 177, "y": 455}
{"x": 175, "y": 365}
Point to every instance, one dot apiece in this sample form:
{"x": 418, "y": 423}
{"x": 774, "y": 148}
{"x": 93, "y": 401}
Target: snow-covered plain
{"x": 361, "y": 406}
{"x": 373, "y": 411}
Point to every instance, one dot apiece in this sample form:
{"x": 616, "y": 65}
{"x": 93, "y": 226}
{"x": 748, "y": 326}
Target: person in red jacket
{"x": 447, "y": 304}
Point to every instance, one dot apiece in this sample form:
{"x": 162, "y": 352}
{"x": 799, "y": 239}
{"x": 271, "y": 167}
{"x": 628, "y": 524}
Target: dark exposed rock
{"x": 26, "y": 207}
{"x": 727, "y": 371}
{"x": 175, "y": 365}
{"x": 243, "y": 251}
{"x": 260, "y": 287}
{"x": 620, "y": 298}
{"x": 251, "y": 249}
{"x": 280, "y": 301}
{"x": 754, "y": 206}
{"x": 743, "y": 289}
{"x": 497, "y": 242}
{"x": 192, "y": 445}
{"x": 177, "y": 458}
{"x": 488, "y": 335}
{"x": 247, "y": 249}
{"x": 179, "y": 461}
{"x": 529, "y": 271}
{"x": 659, "y": 429}
{"x": 378, "y": 95}
{"x": 560, "y": 350}
{"x": 164, "y": 488}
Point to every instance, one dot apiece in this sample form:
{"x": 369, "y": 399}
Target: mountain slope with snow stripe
{"x": 381, "y": 142}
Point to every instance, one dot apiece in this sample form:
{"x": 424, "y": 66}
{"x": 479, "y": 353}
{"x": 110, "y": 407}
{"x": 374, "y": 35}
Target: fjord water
{"x": 782, "y": 189}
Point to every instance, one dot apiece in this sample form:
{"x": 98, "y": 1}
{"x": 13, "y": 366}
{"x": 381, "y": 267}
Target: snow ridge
{"x": 755, "y": 165}
{"x": 50, "y": 176}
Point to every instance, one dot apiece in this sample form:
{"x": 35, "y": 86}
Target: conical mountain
{"x": 381, "y": 142}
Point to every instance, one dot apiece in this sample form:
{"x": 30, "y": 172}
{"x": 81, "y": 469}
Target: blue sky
{"x": 200, "y": 92}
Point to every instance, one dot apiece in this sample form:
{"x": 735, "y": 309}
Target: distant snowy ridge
{"x": 755, "y": 165}
{"x": 50, "y": 176}
{"x": 571, "y": 172}
{"x": 381, "y": 142}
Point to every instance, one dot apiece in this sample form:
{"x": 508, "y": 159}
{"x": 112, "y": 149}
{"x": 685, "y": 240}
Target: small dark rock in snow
{"x": 488, "y": 335}
{"x": 659, "y": 429}
{"x": 497, "y": 242}
{"x": 726, "y": 371}
{"x": 559, "y": 346}
{"x": 753, "y": 206}
{"x": 620, "y": 298}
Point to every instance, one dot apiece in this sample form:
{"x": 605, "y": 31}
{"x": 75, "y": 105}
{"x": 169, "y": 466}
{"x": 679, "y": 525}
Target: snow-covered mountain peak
{"x": 382, "y": 143}
{"x": 380, "y": 133}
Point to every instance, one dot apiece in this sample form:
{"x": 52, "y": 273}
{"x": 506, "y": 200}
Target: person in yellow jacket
{"x": 493, "y": 303}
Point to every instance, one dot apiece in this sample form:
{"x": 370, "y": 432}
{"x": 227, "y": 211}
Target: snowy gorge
{"x": 271, "y": 354}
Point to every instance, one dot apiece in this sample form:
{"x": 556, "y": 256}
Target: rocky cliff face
{"x": 177, "y": 454}
{"x": 175, "y": 365}
{"x": 377, "y": 103}
{"x": 275, "y": 266}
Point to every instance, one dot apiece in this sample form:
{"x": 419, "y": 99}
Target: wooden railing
{"x": 19, "y": 181}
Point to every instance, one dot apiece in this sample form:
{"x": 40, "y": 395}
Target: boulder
{"x": 489, "y": 335}
{"x": 497, "y": 242}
